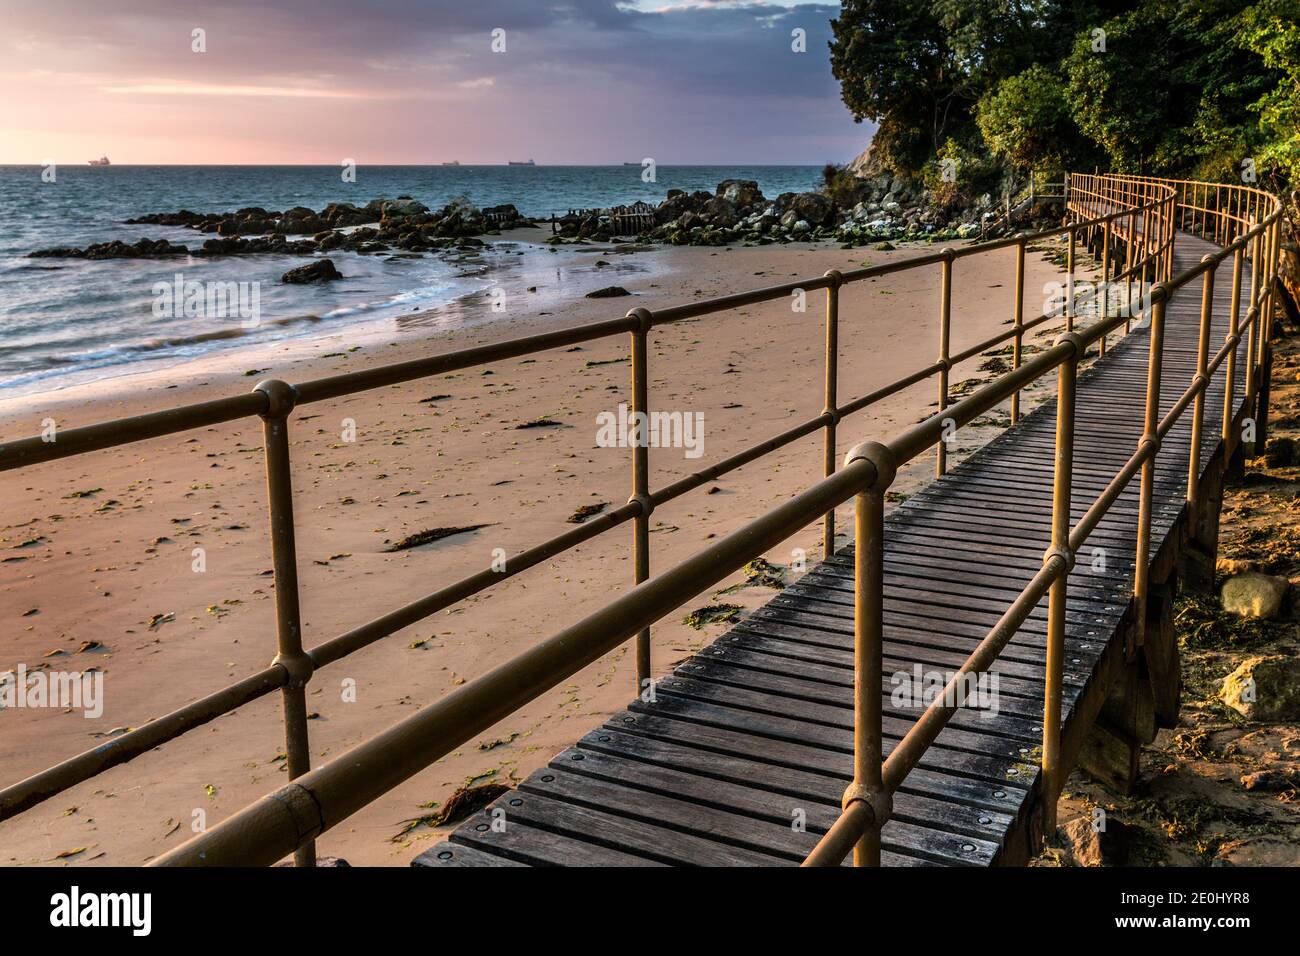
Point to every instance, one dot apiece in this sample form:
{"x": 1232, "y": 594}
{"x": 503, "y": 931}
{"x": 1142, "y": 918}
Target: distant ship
{"x": 454, "y": 162}
{"x": 526, "y": 162}
{"x": 102, "y": 161}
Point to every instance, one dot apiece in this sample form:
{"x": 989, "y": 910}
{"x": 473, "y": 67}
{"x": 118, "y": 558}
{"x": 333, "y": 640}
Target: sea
{"x": 72, "y": 321}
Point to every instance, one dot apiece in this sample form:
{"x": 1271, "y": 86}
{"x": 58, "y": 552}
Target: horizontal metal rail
{"x": 289, "y": 820}
{"x": 274, "y": 401}
{"x": 868, "y": 802}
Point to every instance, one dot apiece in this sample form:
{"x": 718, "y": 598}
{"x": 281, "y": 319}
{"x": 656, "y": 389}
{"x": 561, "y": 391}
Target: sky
{"x": 419, "y": 81}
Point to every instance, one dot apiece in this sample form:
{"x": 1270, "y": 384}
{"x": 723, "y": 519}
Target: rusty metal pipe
{"x": 264, "y": 831}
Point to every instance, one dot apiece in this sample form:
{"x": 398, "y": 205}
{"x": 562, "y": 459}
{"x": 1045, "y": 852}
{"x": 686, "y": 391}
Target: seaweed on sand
{"x": 431, "y": 535}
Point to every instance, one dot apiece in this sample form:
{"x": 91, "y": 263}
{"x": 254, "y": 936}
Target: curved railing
{"x": 1132, "y": 215}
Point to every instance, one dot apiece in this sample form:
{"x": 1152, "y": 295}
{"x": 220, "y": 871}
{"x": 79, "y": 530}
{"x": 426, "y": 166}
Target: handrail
{"x": 316, "y": 799}
{"x": 868, "y": 799}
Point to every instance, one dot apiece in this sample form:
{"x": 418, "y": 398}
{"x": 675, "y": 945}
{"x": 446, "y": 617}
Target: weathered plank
{"x": 742, "y": 754}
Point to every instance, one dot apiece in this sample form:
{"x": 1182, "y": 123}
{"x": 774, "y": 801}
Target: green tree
{"x": 1026, "y": 120}
{"x": 895, "y": 67}
{"x": 1271, "y": 30}
{"x": 919, "y": 68}
{"x": 1121, "y": 96}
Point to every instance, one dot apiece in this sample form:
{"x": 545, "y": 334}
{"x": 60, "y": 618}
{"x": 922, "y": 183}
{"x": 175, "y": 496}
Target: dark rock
{"x": 609, "y": 292}
{"x": 322, "y": 270}
{"x": 143, "y": 249}
{"x": 182, "y": 218}
{"x": 813, "y": 208}
{"x": 719, "y": 212}
{"x": 1108, "y": 844}
{"x": 340, "y": 215}
{"x": 740, "y": 192}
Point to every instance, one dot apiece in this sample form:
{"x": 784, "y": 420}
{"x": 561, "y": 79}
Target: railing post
{"x": 1150, "y": 438}
{"x": 945, "y": 322}
{"x": 831, "y": 408}
{"x": 1270, "y": 272}
{"x": 641, "y": 482}
{"x": 1145, "y": 254}
{"x": 1018, "y": 325}
{"x": 1198, "y": 404}
{"x": 1057, "y": 596}
{"x": 1130, "y": 257}
{"x": 1256, "y": 264}
{"x": 281, "y": 399}
{"x": 1069, "y": 282}
{"x": 868, "y": 664}
{"x": 1105, "y": 279}
{"x": 1171, "y": 236}
{"x": 1218, "y": 214}
{"x": 1230, "y": 372}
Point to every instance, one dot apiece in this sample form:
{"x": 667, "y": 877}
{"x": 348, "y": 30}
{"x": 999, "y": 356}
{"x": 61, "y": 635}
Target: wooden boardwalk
{"x": 744, "y": 755}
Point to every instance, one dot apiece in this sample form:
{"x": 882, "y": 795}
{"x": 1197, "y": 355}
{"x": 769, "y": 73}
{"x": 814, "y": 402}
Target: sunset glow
{"x": 595, "y": 81}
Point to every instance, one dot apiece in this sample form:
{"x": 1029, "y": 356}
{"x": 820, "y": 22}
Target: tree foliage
{"x": 1168, "y": 86}
{"x": 1026, "y": 120}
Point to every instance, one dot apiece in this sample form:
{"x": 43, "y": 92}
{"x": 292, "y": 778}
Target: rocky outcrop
{"x": 143, "y": 249}
{"x": 857, "y": 211}
{"x": 866, "y": 210}
{"x": 322, "y": 270}
{"x": 392, "y": 218}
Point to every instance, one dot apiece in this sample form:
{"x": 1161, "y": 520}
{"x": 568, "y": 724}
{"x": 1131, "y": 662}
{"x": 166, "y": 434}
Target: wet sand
{"x": 96, "y": 547}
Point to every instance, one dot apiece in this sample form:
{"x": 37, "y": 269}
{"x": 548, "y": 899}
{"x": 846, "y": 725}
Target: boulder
{"x": 403, "y": 209}
{"x": 1280, "y": 452}
{"x": 1265, "y": 688}
{"x": 740, "y": 192}
{"x": 720, "y": 212}
{"x": 1254, "y": 595}
{"x": 322, "y": 270}
{"x": 1090, "y": 846}
{"x": 342, "y": 214}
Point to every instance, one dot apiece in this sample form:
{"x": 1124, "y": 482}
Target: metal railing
{"x": 868, "y": 801}
{"x": 290, "y": 819}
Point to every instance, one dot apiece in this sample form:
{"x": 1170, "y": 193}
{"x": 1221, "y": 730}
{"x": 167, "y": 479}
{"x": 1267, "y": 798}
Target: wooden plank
{"x": 641, "y": 758}
{"x": 453, "y": 854}
{"x": 757, "y": 727}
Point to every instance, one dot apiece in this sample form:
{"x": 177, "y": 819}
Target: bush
{"x": 1027, "y": 121}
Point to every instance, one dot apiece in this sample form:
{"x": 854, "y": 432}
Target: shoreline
{"x": 461, "y": 312}
{"x": 114, "y": 533}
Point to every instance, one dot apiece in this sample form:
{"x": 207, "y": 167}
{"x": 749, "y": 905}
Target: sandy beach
{"x": 97, "y": 549}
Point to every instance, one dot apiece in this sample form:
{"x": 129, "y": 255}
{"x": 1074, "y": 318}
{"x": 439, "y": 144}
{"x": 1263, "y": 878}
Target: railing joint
{"x": 298, "y": 666}
{"x": 645, "y": 502}
{"x": 880, "y": 457}
{"x": 644, "y": 318}
{"x": 879, "y": 803}
{"x": 281, "y": 398}
{"x": 1065, "y": 554}
{"x": 1076, "y": 341}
